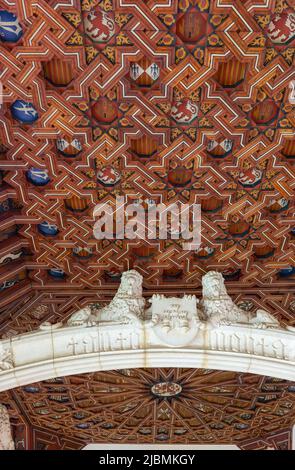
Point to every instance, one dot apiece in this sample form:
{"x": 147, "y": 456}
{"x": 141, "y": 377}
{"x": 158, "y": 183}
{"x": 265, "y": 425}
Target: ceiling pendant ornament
{"x": 166, "y": 389}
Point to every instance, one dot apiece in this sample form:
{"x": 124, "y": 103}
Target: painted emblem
{"x": 288, "y": 271}
{"x": 281, "y": 28}
{"x": 114, "y": 273}
{"x": 104, "y": 110}
{"x": 82, "y": 252}
{"x": 180, "y": 176}
{"x": 251, "y": 177}
{"x": 10, "y": 27}
{"x": 231, "y": 274}
{"x": 10, "y": 257}
{"x": 24, "y": 112}
{"x": 265, "y": 112}
{"x": 184, "y": 111}
{"x": 166, "y": 389}
{"x": 31, "y": 389}
{"x": 219, "y": 148}
{"x": 204, "y": 252}
{"x": 7, "y": 284}
{"x": 47, "y": 229}
{"x": 69, "y": 147}
{"x": 99, "y": 25}
{"x": 108, "y": 176}
{"x": 144, "y": 72}
{"x": 38, "y": 177}
{"x": 277, "y": 205}
{"x": 57, "y": 273}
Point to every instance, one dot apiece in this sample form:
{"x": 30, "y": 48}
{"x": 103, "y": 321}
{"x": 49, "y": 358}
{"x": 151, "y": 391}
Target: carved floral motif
{"x": 6, "y": 361}
{"x": 6, "y": 441}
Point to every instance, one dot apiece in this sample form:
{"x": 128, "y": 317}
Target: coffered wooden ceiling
{"x": 154, "y": 100}
{"x": 178, "y": 406}
{"x": 171, "y": 101}
{"x": 163, "y": 100}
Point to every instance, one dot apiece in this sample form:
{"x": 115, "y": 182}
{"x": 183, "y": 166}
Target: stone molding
{"x": 173, "y": 332}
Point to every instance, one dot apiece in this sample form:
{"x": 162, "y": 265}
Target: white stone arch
{"x": 64, "y": 351}
{"x": 173, "y": 332}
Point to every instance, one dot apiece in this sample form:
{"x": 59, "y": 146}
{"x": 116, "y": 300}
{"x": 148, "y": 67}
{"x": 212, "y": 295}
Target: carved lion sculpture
{"x": 6, "y": 441}
{"x": 218, "y": 307}
{"x": 126, "y": 307}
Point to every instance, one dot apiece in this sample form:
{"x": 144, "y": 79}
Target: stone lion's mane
{"x": 125, "y": 284}
{"x": 208, "y": 289}
{"x": 127, "y": 305}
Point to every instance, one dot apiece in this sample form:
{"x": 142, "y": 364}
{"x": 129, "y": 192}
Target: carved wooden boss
{"x": 173, "y": 332}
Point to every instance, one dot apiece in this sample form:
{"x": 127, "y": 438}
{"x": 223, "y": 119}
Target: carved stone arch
{"x": 65, "y": 351}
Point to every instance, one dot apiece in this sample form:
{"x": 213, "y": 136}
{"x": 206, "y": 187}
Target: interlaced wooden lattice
{"x": 167, "y": 101}
{"x": 164, "y": 100}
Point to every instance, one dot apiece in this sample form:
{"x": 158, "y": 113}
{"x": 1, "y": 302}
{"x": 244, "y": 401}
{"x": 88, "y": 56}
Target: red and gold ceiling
{"x": 167, "y": 101}
{"x": 143, "y": 406}
{"x": 171, "y": 100}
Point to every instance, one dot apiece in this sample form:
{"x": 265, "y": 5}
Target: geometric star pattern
{"x": 164, "y": 101}
{"x": 130, "y": 406}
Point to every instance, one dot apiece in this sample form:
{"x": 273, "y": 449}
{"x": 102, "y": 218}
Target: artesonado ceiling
{"x": 167, "y": 101}
{"x": 163, "y": 101}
